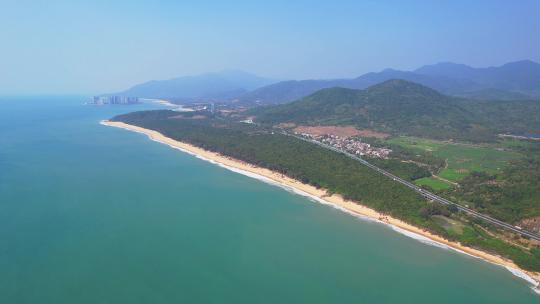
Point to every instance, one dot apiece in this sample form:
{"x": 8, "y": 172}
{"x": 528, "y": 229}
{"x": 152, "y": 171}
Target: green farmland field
{"x": 432, "y": 182}
{"x": 462, "y": 159}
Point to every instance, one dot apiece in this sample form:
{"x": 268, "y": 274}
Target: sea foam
{"x": 520, "y": 274}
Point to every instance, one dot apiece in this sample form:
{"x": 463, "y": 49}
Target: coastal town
{"x": 353, "y": 145}
{"x": 113, "y": 100}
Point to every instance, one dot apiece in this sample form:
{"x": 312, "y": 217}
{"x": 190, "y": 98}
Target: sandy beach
{"x": 333, "y": 200}
{"x": 161, "y": 102}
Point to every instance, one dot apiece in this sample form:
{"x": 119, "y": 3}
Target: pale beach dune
{"x": 333, "y": 200}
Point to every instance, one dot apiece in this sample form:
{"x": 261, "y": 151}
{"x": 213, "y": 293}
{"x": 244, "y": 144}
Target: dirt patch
{"x": 346, "y": 131}
{"x": 532, "y": 224}
{"x": 285, "y": 125}
{"x": 374, "y": 134}
{"x": 328, "y": 130}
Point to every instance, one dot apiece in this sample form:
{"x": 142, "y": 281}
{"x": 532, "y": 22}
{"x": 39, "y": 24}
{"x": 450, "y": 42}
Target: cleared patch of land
{"x": 416, "y": 143}
{"x": 344, "y": 132}
{"x": 373, "y": 134}
{"x": 532, "y": 224}
{"x": 285, "y": 125}
{"x": 449, "y": 224}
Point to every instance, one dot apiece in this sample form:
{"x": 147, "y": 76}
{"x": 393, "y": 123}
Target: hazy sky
{"x": 101, "y": 46}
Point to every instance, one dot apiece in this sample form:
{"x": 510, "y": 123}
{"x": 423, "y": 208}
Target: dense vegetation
{"x": 406, "y": 170}
{"x": 512, "y": 194}
{"x": 405, "y": 108}
{"x": 515, "y": 117}
{"x": 332, "y": 171}
{"x": 502, "y": 180}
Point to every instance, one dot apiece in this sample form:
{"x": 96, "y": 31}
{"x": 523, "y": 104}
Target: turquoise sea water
{"x": 94, "y": 214}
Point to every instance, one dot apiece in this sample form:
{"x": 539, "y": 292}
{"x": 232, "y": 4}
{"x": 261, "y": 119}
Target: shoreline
{"x": 334, "y": 200}
{"x": 166, "y": 103}
{"x": 162, "y": 102}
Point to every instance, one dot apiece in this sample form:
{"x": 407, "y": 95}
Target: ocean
{"x": 94, "y": 214}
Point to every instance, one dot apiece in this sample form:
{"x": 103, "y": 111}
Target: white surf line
{"x": 418, "y": 237}
{"x": 535, "y": 285}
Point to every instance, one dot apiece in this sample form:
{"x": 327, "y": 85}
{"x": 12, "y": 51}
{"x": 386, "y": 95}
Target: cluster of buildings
{"x": 351, "y": 145}
{"x": 115, "y": 99}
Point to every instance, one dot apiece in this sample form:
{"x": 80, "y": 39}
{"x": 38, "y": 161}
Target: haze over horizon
{"x": 101, "y": 47}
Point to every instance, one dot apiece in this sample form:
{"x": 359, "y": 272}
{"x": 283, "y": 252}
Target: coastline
{"x": 162, "y": 102}
{"x": 334, "y": 200}
{"x": 166, "y": 103}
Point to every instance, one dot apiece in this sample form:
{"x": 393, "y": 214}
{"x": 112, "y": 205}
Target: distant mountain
{"x": 290, "y": 90}
{"x": 403, "y": 107}
{"x": 512, "y": 81}
{"x": 222, "y": 85}
{"x": 438, "y": 82}
{"x": 447, "y": 69}
{"x": 287, "y": 91}
{"x": 520, "y": 76}
{"x": 493, "y": 94}
{"x": 517, "y": 80}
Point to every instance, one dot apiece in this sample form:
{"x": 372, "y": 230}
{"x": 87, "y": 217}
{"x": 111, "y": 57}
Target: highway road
{"x": 426, "y": 193}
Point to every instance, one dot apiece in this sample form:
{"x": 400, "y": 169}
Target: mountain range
{"x": 516, "y": 80}
{"x": 222, "y": 85}
{"x": 511, "y": 81}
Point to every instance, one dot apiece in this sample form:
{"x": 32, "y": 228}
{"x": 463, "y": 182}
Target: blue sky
{"x": 60, "y": 47}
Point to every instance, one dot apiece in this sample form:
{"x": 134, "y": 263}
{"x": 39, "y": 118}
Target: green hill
{"x": 402, "y": 107}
